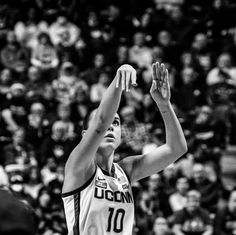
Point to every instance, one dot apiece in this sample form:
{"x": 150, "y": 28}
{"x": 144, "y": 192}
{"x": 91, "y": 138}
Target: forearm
{"x": 175, "y": 138}
{"x": 109, "y": 104}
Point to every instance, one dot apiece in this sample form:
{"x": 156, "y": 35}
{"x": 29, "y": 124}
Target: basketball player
{"x": 96, "y": 192}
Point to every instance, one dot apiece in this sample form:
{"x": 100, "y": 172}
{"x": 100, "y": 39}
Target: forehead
{"x": 117, "y": 117}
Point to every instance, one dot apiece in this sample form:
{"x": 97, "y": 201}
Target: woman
{"x": 97, "y": 193}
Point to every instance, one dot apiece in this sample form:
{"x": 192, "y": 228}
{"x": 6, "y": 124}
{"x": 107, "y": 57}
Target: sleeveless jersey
{"x": 102, "y": 206}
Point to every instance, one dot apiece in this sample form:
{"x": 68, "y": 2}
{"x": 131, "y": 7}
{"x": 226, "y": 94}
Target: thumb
{"x": 154, "y": 85}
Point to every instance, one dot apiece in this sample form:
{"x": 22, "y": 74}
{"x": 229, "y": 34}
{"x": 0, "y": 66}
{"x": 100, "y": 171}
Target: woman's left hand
{"x": 160, "y": 89}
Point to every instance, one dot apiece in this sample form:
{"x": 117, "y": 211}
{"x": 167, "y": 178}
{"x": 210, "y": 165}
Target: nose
{"x": 110, "y": 128}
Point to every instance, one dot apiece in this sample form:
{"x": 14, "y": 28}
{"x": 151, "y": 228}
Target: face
{"x": 33, "y": 73}
{"x": 123, "y": 52}
{"x": 187, "y": 59}
{"x": 224, "y": 61}
{"x": 154, "y": 182}
{"x": 193, "y": 201}
{"x": 169, "y": 172}
{"x": 37, "y": 109}
{"x": 11, "y": 37}
{"x": 200, "y": 40}
{"x": 99, "y": 60}
{"x": 160, "y": 226}
{"x": 19, "y": 136}
{"x": 164, "y": 38}
{"x": 198, "y": 172}
{"x": 188, "y": 75}
{"x": 64, "y": 112}
{"x": 139, "y": 39}
{"x": 112, "y": 137}
{"x": 182, "y": 185}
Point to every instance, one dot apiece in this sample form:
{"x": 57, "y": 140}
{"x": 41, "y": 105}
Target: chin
{"x": 108, "y": 145}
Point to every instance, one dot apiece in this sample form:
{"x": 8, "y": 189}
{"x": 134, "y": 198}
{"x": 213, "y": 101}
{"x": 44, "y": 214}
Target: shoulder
{"x": 73, "y": 184}
{"x": 128, "y": 165}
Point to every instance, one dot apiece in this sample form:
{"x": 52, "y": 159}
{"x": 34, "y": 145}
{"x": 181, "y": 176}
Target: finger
{"x": 166, "y": 76}
{"x": 167, "y": 80}
{"x": 134, "y": 78}
{"x": 162, "y": 72}
{"x": 154, "y": 84}
{"x": 158, "y": 71}
{"x": 118, "y": 74}
{"x": 154, "y": 76}
{"x": 123, "y": 80}
{"x": 127, "y": 80}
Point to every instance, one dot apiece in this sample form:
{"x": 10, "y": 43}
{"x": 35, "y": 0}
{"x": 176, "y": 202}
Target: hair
{"x": 87, "y": 118}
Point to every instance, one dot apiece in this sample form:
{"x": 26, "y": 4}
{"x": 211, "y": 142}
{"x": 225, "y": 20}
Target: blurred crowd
{"x": 57, "y": 58}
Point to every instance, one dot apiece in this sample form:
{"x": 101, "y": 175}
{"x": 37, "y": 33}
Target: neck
{"x": 105, "y": 159}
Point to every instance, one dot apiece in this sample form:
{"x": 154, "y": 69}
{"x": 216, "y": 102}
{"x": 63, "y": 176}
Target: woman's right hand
{"x": 126, "y": 77}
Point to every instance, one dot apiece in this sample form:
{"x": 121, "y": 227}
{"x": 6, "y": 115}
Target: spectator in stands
{"x": 161, "y": 227}
{"x": 62, "y": 31}
{"x": 33, "y": 182}
{"x": 139, "y": 52}
{"x": 170, "y": 175}
{"x": 64, "y": 114}
{"x": 178, "y": 199}
{"x": 211, "y": 191}
{"x": 98, "y": 89}
{"x": 13, "y": 56}
{"x": 90, "y": 75}
{"x": 170, "y": 49}
{"x": 38, "y": 126}
{"x": 121, "y": 57}
{"x": 19, "y": 151}
{"x": 152, "y": 202}
{"x": 6, "y": 80}
{"x": 44, "y": 56}
{"x": 27, "y": 32}
{"x": 57, "y": 145}
{"x": 179, "y": 25}
{"x": 224, "y": 72}
{"x": 189, "y": 78}
{"x": 200, "y": 47}
{"x": 16, "y": 107}
{"x": 225, "y": 218}
{"x": 192, "y": 219}
{"x": 34, "y": 84}
{"x": 209, "y": 127}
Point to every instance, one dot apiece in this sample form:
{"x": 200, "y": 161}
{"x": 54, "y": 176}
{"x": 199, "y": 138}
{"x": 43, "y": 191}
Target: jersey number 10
{"x": 115, "y": 220}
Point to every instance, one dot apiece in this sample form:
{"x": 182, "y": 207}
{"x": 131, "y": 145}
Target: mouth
{"x": 110, "y": 136}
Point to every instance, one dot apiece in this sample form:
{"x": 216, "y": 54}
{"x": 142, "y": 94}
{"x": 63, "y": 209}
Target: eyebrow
{"x": 117, "y": 118}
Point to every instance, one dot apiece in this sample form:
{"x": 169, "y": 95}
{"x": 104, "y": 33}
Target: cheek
{"x": 118, "y": 135}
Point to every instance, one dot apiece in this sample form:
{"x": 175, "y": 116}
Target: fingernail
{"x": 135, "y": 84}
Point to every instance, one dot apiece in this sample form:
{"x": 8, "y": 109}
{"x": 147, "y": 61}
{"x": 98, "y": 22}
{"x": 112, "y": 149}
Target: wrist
{"x": 163, "y": 108}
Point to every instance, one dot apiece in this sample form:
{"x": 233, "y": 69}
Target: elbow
{"x": 183, "y": 148}
{"x": 180, "y": 149}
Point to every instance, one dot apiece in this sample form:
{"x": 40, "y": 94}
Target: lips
{"x": 110, "y": 136}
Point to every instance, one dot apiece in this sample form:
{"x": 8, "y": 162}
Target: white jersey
{"x": 103, "y": 205}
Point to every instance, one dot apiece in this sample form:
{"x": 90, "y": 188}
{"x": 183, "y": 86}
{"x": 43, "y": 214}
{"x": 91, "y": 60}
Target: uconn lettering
{"x": 117, "y": 196}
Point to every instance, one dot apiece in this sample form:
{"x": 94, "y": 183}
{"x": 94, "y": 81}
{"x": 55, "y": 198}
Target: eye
{"x": 116, "y": 123}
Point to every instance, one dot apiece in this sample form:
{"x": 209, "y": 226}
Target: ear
{"x": 83, "y": 132}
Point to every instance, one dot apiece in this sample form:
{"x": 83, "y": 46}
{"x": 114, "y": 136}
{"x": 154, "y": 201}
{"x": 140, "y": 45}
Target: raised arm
{"x": 80, "y": 165}
{"x": 141, "y": 166}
